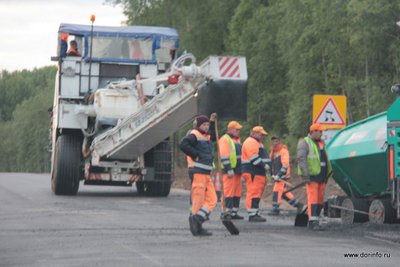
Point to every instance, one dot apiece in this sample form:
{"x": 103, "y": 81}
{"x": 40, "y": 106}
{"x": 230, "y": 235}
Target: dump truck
{"x": 365, "y": 158}
{"x": 117, "y": 104}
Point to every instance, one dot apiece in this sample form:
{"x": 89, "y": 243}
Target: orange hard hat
{"x": 235, "y": 125}
{"x": 259, "y": 129}
{"x": 317, "y": 127}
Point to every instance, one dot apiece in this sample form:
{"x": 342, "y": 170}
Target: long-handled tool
{"x": 293, "y": 187}
{"x": 301, "y": 218}
{"x": 227, "y": 223}
{"x": 285, "y": 182}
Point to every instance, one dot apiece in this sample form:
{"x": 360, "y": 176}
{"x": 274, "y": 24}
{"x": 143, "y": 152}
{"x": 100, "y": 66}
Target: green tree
{"x": 26, "y": 96}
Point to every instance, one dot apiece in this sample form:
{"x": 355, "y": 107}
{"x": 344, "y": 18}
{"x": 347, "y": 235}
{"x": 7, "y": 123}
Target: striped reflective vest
{"x": 231, "y": 153}
{"x": 280, "y": 161}
{"x": 254, "y": 157}
{"x": 313, "y": 159}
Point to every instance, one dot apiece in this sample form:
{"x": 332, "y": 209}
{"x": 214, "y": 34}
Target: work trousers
{"x": 277, "y": 195}
{"x": 255, "y": 185}
{"x": 315, "y": 199}
{"x": 232, "y": 191}
{"x": 204, "y": 197}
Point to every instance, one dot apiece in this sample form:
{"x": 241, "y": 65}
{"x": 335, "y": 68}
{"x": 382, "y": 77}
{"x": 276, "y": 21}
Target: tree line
{"x": 25, "y": 97}
{"x": 294, "y": 49}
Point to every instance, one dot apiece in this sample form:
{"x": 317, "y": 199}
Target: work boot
{"x": 299, "y": 207}
{"x": 204, "y": 232}
{"x": 236, "y": 216}
{"x": 315, "y": 226}
{"x": 275, "y": 212}
{"x": 257, "y": 218}
{"x": 193, "y": 226}
{"x": 195, "y": 222}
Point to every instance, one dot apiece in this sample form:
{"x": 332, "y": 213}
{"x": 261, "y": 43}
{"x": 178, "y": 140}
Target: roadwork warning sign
{"x": 330, "y": 111}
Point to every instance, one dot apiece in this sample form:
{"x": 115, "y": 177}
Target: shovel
{"x": 227, "y": 223}
{"x": 302, "y": 218}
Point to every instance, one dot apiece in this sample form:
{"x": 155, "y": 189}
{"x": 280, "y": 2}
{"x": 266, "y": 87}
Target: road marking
{"x": 139, "y": 253}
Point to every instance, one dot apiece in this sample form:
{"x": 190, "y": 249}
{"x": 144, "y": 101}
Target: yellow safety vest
{"x": 232, "y": 152}
{"x": 313, "y": 160}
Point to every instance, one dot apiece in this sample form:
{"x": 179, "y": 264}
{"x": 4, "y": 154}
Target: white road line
{"x": 139, "y": 253}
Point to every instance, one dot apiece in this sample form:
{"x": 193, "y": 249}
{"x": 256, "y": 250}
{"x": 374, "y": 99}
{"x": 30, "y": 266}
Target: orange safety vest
{"x": 205, "y": 149}
{"x": 280, "y": 161}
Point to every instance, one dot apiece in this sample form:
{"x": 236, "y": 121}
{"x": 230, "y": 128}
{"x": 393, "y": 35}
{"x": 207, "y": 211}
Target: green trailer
{"x": 365, "y": 158}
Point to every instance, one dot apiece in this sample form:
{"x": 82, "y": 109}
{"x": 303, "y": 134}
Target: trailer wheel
{"x": 348, "y": 216}
{"x": 381, "y": 211}
{"x": 67, "y": 169}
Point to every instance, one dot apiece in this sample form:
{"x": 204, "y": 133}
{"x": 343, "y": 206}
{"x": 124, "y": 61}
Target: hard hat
{"x": 259, "y": 129}
{"x": 235, "y": 125}
{"x": 317, "y": 127}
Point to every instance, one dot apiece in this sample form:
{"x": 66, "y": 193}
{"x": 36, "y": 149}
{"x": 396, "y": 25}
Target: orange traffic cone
{"x": 217, "y": 184}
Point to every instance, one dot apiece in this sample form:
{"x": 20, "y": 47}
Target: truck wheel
{"x": 381, "y": 211}
{"x": 348, "y": 216}
{"x": 162, "y": 169}
{"x": 159, "y": 158}
{"x": 140, "y": 187}
{"x": 67, "y": 169}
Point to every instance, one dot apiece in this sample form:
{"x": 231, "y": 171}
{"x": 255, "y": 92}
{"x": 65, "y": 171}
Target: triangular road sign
{"x": 329, "y": 114}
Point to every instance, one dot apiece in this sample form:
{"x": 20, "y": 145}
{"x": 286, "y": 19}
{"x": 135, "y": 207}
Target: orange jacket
{"x": 254, "y": 157}
{"x": 280, "y": 161}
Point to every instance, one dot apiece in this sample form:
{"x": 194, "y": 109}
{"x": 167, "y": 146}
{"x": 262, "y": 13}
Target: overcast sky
{"x": 28, "y": 28}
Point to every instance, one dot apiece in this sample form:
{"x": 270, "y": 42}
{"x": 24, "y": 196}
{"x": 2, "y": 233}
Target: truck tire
{"x": 348, "y": 216}
{"x": 67, "y": 169}
{"x": 159, "y": 158}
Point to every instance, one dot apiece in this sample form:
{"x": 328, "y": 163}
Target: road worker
{"x": 256, "y": 165}
{"x": 199, "y": 150}
{"x": 231, "y": 154}
{"x": 314, "y": 167}
{"x": 280, "y": 173}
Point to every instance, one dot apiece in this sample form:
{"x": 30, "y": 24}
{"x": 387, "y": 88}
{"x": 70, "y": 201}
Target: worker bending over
{"x": 280, "y": 173}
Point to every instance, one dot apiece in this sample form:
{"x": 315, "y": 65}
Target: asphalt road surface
{"x": 114, "y": 226}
